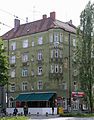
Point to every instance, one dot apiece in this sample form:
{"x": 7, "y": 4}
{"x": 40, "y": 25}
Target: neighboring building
{"x": 41, "y": 57}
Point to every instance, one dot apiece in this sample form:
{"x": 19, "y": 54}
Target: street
{"x": 56, "y": 117}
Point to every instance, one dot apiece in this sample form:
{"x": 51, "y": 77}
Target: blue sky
{"x": 34, "y": 9}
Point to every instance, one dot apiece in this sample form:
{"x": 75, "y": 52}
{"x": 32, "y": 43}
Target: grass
{"x": 14, "y": 118}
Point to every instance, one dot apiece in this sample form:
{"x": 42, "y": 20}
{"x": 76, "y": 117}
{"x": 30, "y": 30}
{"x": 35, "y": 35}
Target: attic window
{"x": 6, "y": 35}
{"x": 28, "y": 30}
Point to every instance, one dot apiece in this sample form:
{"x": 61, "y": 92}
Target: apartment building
{"x": 41, "y": 57}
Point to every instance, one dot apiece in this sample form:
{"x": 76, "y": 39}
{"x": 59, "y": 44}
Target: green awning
{"x": 34, "y": 96}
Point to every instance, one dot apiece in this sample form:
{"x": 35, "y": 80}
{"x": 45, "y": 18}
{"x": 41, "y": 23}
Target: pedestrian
{"x": 25, "y": 110}
{"x": 53, "y": 108}
{"x": 15, "y": 111}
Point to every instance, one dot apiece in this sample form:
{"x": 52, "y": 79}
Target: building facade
{"x": 41, "y": 57}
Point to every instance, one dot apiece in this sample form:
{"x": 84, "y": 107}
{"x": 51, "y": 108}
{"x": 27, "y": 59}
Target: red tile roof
{"x": 36, "y": 27}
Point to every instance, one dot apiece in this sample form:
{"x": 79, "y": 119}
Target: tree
{"x": 85, "y": 59}
{"x": 3, "y": 71}
{"x": 3, "y": 65}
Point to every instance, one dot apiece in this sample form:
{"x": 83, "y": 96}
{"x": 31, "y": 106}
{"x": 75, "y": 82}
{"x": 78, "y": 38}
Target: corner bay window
{"x": 40, "y": 70}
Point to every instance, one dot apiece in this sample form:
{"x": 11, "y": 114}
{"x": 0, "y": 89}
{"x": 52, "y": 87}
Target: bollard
{"x": 46, "y": 114}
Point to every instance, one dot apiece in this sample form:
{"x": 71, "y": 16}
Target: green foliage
{"x": 14, "y": 118}
{"x": 3, "y": 65}
{"x": 85, "y": 60}
{"x": 76, "y": 115}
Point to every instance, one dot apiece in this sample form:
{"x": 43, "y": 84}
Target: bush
{"x": 76, "y": 115}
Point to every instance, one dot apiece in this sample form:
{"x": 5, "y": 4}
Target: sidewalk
{"x": 42, "y": 117}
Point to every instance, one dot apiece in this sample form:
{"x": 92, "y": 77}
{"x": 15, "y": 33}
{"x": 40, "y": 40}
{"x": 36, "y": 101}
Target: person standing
{"x": 15, "y": 111}
{"x": 53, "y": 108}
{"x": 25, "y": 110}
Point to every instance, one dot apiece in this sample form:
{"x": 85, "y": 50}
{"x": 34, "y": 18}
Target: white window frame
{"x": 13, "y": 59}
{"x": 25, "y": 43}
{"x": 40, "y": 55}
{"x": 40, "y": 85}
{"x": 40, "y": 40}
{"x": 51, "y": 37}
{"x": 60, "y": 69}
{"x": 56, "y": 53}
{"x": 52, "y": 68}
{"x": 52, "y": 53}
{"x": 60, "y": 53}
{"x": 61, "y": 37}
{"x": 56, "y": 68}
{"x": 12, "y": 87}
{"x": 13, "y": 73}
{"x": 74, "y": 42}
{"x": 32, "y": 43}
{"x": 24, "y": 72}
{"x": 24, "y": 57}
{"x": 24, "y": 86}
{"x": 56, "y": 37}
{"x": 13, "y": 46}
{"x": 40, "y": 70}
{"x": 64, "y": 85}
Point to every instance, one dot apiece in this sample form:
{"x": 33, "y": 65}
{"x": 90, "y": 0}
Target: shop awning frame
{"x": 41, "y": 96}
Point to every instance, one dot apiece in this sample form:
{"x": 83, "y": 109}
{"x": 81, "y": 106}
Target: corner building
{"x": 40, "y": 57}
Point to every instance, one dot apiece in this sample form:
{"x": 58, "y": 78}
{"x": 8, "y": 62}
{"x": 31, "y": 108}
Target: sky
{"x": 34, "y": 9}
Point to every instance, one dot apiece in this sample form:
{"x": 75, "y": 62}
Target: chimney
{"x": 44, "y": 16}
{"x": 70, "y": 22}
{"x": 53, "y": 15}
{"x": 16, "y": 24}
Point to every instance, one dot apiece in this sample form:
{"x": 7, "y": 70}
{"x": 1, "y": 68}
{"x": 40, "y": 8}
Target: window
{"x": 40, "y": 41}
{"x": 40, "y": 55}
{"x": 24, "y": 86}
{"x": 40, "y": 85}
{"x": 51, "y": 37}
{"x": 12, "y": 74}
{"x": 13, "y": 46}
{"x": 12, "y": 59}
{"x": 56, "y": 53}
{"x": 39, "y": 70}
{"x": 32, "y": 43}
{"x": 12, "y": 87}
{"x": 74, "y": 42}
{"x": 56, "y": 69}
{"x": 52, "y": 68}
{"x": 60, "y": 69}
{"x": 60, "y": 53}
{"x": 24, "y": 72}
{"x": 25, "y": 43}
{"x": 64, "y": 85}
{"x": 61, "y": 37}
{"x": 56, "y": 37}
{"x": 52, "y": 53}
{"x": 25, "y": 57}
{"x": 32, "y": 72}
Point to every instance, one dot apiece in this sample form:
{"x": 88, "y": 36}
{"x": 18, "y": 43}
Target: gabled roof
{"x": 38, "y": 26}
